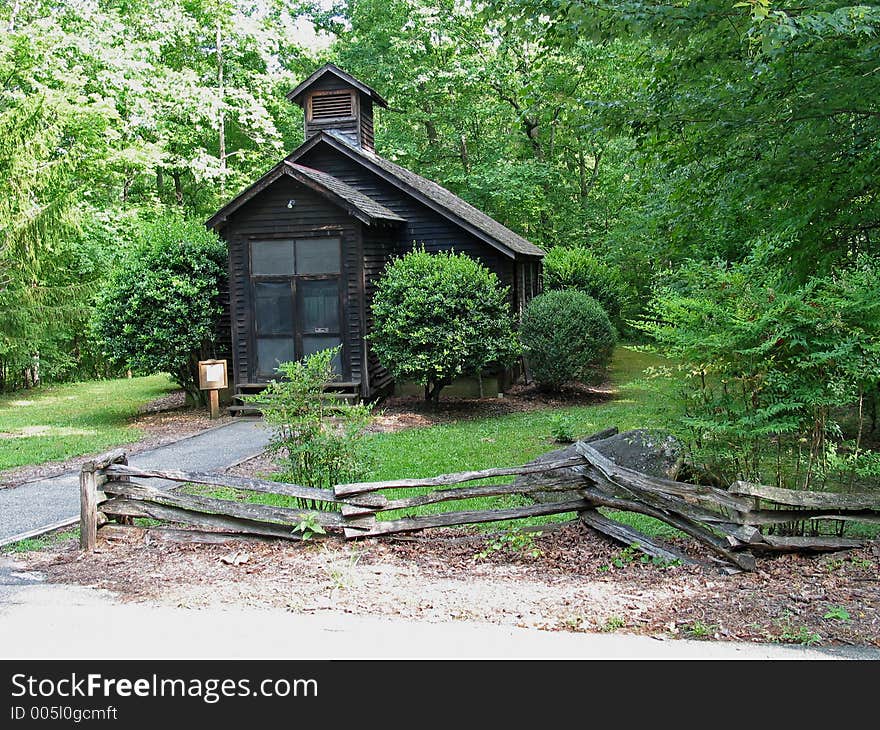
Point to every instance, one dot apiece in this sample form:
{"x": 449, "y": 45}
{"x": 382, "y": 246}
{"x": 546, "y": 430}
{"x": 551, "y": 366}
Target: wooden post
{"x": 214, "y": 402}
{"x": 88, "y": 507}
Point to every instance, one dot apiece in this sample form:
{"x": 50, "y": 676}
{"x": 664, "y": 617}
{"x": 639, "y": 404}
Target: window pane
{"x": 273, "y": 302}
{"x": 271, "y": 258}
{"x": 319, "y": 305}
{"x": 317, "y": 256}
{"x": 273, "y": 350}
{"x": 316, "y": 343}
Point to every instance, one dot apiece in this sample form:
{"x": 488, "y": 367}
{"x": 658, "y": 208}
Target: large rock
{"x": 650, "y": 452}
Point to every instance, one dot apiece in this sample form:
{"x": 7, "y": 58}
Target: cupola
{"x": 336, "y": 102}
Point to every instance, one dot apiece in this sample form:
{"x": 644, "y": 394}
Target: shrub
{"x": 770, "y": 370}
{"x": 160, "y": 311}
{"x": 567, "y": 336}
{"x": 441, "y": 316}
{"x": 578, "y": 268}
{"x": 317, "y": 443}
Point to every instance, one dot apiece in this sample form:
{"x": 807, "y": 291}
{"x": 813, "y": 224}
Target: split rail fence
{"x": 733, "y": 524}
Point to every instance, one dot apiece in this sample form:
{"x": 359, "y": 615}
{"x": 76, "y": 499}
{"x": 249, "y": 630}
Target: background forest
{"x": 717, "y": 161}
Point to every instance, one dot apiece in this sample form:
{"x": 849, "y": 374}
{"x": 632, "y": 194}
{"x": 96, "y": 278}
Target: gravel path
{"x": 53, "y": 502}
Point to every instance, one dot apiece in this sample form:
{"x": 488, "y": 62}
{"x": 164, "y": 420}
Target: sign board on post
{"x": 212, "y": 377}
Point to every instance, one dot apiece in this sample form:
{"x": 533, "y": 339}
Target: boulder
{"x": 650, "y": 452}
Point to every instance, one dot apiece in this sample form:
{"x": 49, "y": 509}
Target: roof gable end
{"x": 295, "y": 95}
{"x": 432, "y": 195}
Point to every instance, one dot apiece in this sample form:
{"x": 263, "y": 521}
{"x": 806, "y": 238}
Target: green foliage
{"x": 578, "y": 268}
{"x": 701, "y": 630}
{"x": 515, "y": 543}
{"x": 789, "y": 633}
{"x": 160, "y": 311}
{"x": 317, "y": 443}
{"x": 613, "y": 623}
{"x": 768, "y": 368}
{"x": 308, "y": 527}
{"x": 756, "y": 119}
{"x": 440, "y": 316}
{"x": 567, "y": 337}
{"x": 563, "y": 429}
{"x": 633, "y": 552}
{"x": 838, "y": 613}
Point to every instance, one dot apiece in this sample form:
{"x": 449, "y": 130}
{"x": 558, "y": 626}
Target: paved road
{"x": 57, "y": 621}
{"x": 50, "y": 502}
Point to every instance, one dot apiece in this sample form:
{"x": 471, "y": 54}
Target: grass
{"x": 57, "y": 422}
{"x": 518, "y": 438}
{"x": 39, "y": 543}
{"x": 508, "y": 440}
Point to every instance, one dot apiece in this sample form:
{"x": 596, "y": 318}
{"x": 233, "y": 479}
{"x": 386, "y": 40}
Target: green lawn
{"x": 518, "y": 438}
{"x": 504, "y": 441}
{"x": 61, "y": 421}
{"x": 515, "y": 439}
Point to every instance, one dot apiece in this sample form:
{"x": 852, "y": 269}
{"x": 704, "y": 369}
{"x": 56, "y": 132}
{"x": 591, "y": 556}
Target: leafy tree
{"x": 160, "y": 311}
{"x": 759, "y": 120}
{"x": 567, "y": 337}
{"x": 770, "y": 371}
{"x": 440, "y": 316}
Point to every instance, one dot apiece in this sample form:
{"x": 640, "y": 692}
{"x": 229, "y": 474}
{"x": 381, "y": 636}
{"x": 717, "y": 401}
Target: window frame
{"x": 258, "y": 374}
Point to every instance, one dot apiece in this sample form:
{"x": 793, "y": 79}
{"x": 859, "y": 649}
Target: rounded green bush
{"x": 567, "y": 337}
{"x": 578, "y": 268}
{"x": 160, "y": 311}
{"x": 440, "y": 316}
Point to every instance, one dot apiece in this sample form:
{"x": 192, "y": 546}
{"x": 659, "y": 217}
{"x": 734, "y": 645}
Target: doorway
{"x": 297, "y": 300}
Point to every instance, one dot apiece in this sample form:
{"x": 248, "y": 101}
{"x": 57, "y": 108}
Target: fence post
{"x": 88, "y": 507}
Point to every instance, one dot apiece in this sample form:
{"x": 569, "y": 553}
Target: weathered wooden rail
{"x": 727, "y": 522}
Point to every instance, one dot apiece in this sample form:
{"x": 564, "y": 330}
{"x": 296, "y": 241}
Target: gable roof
{"x": 429, "y": 193}
{"x": 353, "y": 201}
{"x": 332, "y": 68}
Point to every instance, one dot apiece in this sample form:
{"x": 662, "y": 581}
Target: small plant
{"x": 839, "y": 563}
{"x": 659, "y": 562}
{"x": 340, "y": 575}
{"x": 562, "y": 429}
{"x": 700, "y": 630}
{"x": 792, "y": 634}
{"x": 315, "y": 442}
{"x": 515, "y": 543}
{"x": 613, "y": 623}
{"x": 308, "y": 526}
{"x": 838, "y": 613}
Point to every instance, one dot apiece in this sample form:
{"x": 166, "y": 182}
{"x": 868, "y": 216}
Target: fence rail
{"x": 728, "y": 522}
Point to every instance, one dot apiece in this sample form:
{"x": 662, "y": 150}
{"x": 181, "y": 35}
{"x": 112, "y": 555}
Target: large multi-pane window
{"x": 296, "y": 292}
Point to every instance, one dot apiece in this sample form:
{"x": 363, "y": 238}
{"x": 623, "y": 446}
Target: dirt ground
{"x": 572, "y": 584}
{"x": 576, "y": 580}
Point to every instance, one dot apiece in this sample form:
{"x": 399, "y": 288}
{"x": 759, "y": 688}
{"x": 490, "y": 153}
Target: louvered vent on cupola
{"x": 331, "y": 105}
{"x": 336, "y": 102}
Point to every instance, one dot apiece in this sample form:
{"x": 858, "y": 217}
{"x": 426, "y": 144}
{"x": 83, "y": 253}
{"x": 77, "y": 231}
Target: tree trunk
{"x": 16, "y": 7}
{"x": 178, "y": 187}
{"x": 463, "y": 154}
{"x": 221, "y": 121}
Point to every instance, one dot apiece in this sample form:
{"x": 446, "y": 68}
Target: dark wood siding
{"x": 368, "y": 141}
{"x": 267, "y": 216}
{"x": 379, "y": 246}
{"x": 423, "y": 226}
